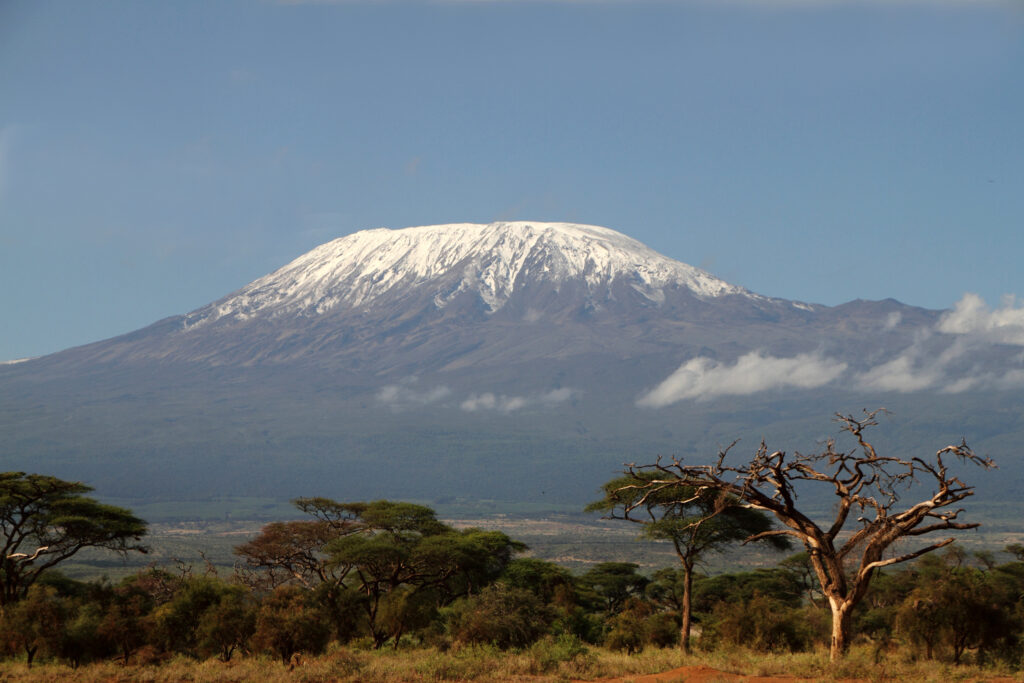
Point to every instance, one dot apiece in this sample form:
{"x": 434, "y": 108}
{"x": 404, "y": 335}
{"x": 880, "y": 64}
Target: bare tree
{"x": 864, "y": 483}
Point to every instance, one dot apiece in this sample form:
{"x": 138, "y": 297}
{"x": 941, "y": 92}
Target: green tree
{"x": 613, "y": 583}
{"x": 695, "y": 521}
{"x": 356, "y": 554}
{"x": 403, "y": 545}
{"x": 227, "y": 625}
{"x": 290, "y": 621}
{"x": 205, "y": 616}
{"x": 36, "y": 622}
{"x": 45, "y": 520}
{"x": 959, "y": 607}
{"x": 501, "y": 615}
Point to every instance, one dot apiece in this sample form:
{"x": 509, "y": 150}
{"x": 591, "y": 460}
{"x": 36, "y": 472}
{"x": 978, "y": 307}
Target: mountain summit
{"x": 490, "y": 261}
{"x": 465, "y": 296}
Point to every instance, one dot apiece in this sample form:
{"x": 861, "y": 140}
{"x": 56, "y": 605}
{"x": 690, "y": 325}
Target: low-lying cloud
{"x": 910, "y": 371}
{"x": 958, "y": 367}
{"x": 406, "y": 395}
{"x": 703, "y": 378}
{"x": 972, "y": 316}
{"x": 507, "y": 404}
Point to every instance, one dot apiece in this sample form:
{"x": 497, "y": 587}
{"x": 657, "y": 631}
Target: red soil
{"x": 693, "y": 674}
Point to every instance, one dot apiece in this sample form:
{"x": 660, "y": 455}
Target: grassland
{"x": 546, "y": 661}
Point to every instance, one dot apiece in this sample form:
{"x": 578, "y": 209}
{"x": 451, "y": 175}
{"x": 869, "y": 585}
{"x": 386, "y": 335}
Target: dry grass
{"x": 548, "y": 661}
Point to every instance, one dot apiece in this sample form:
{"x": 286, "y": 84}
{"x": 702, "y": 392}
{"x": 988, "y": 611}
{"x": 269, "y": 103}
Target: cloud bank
{"x": 955, "y": 368}
{"x": 972, "y": 316}
{"x": 703, "y": 378}
{"x": 398, "y": 396}
{"x": 507, "y": 404}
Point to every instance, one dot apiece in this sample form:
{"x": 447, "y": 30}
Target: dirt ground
{"x": 692, "y": 674}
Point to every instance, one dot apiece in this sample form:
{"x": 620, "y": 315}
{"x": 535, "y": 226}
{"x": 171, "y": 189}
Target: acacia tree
{"x": 695, "y": 522}
{"x": 863, "y": 482}
{"x": 378, "y": 557}
{"x": 45, "y": 520}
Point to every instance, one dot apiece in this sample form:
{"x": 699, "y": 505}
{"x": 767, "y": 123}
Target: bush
{"x": 548, "y": 653}
{"x": 288, "y": 622}
{"x": 499, "y": 615}
{"x": 763, "y": 624}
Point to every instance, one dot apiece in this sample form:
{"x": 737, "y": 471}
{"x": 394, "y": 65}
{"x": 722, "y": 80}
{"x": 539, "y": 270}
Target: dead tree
{"x": 865, "y": 484}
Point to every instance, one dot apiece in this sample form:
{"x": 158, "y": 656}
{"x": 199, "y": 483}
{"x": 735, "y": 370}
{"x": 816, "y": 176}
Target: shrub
{"x": 763, "y": 624}
{"x": 500, "y": 615}
{"x": 288, "y": 622}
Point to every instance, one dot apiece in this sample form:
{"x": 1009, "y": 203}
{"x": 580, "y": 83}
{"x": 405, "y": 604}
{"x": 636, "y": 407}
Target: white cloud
{"x": 972, "y": 316}
{"x": 507, "y": 404}
{"x": 903, "y": 373}
{"x": 954, "y": 369}
{"x": 706, "y": 378}
{"x": 488, "y": 401}
{"x": 404, "y": 395}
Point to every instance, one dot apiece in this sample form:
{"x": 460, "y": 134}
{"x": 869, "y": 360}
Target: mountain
{"x": 493, "y": 361}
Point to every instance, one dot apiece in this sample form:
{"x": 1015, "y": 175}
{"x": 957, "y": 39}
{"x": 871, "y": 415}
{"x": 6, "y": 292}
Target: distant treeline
{"x": 388, "y": 574}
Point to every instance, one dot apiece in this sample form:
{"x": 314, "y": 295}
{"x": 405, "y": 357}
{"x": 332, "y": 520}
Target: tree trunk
{"x": 684, "y": 631}
{"x": 840, "y": 630}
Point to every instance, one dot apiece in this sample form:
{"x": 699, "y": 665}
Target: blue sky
{"x": 156, "y": 156}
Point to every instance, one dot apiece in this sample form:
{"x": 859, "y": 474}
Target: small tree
{"x": 862, "y": 481}
{"x": 696, "y": 522}
{"x": 289, "y": 621}
{"x": 45, "y": 520}
{"x": 36, "y": 622}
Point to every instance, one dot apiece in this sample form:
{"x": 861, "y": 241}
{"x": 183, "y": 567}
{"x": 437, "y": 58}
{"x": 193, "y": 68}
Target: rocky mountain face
{"x": 479, "y": 360}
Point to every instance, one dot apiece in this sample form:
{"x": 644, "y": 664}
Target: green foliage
{"x": 696, "y": 521}
{"x": 383, "y": 557}
{"x": 765, "y": 624}
{"x": 550, "y": 652}
{"x": 627, "y": 630}
{"x": 45, "y": 520}
{"x": 954, "y": 608}
{"x": 290, "y": 621}
{"x": 35, "y": 623}
{"x": 611, "y": 584}
{"x": 500, "y": 615}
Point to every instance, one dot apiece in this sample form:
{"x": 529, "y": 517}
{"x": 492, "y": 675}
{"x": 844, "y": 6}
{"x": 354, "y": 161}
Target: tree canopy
{"x": 45, "y": 520}
{"x": 695, "y": 521}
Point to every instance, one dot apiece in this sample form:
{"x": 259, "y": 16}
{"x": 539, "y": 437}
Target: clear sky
{"x": 155, "y": 156}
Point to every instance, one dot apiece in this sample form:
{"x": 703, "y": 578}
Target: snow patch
{"x": 489, "y": 260}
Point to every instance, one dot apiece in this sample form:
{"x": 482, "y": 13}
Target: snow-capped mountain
{"x": 408, "y": 301}
{"x": 520, "y": 346}
{"x": 489, "y": 261}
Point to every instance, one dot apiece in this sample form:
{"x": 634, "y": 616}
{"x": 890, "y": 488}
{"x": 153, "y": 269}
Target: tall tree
{"x": 696, "y": 522}
{"x": 864, "y": 483}
{"x": 45, "y": 520}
